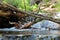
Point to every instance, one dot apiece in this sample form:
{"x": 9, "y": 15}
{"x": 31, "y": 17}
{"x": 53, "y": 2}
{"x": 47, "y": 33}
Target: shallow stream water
{"x": 43, "y": 32}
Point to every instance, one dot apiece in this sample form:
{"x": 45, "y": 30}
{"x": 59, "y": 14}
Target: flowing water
{"x": 43, "y": 32}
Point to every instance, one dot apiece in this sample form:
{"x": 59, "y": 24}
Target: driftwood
{"x": 20, "y": 13}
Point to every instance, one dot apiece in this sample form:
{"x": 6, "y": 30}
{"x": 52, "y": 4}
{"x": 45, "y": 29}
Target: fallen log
{"x": 30, "y": 13}
{"x": 19, "y": 13}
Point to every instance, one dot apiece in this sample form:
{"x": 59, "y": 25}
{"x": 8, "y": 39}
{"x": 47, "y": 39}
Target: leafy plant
{"x": 22, "y": 4}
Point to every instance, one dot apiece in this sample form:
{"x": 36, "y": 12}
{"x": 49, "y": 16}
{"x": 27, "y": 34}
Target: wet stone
{"x": 46, "y": 24}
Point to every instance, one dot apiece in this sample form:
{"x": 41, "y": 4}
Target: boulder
{"x": 46, "y": 24}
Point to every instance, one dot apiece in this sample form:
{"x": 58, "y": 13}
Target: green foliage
{"x": 21, "y": 4}
{"x": 58, "y": 6}
{"x": 34, "y": 6}
{"x": 46, "y": 0}
{"x": 25, "y": 5}
{"x": 12, "y": 2}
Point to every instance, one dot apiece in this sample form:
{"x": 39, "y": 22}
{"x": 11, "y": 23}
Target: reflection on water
{"x": 53, "y": 36}
{"x": 33, "y": 38}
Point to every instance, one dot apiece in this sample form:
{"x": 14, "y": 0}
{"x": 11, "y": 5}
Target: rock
{"x": 46, "y": 24}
